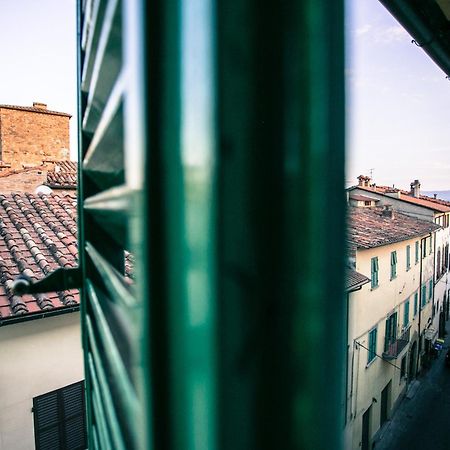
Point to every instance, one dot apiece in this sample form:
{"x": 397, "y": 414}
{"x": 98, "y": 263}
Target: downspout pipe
{"x": 425, "y": 37}
{"x": 420, "y": 303}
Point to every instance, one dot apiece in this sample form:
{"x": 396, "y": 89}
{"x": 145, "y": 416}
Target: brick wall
{"x": 31, "y": 135}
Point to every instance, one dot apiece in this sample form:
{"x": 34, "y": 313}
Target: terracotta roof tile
{"x": 369, "y": 227}
{"x": 37, "y": 110}
{"x": 427, "y": 202}
{"x": 354, "y": 279}
{"x": 35, "y": 232}
{"x": 63, "y": 176}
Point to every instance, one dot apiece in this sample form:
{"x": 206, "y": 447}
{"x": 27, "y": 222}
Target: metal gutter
{"x": 429, "y": 39}
{"x": 34, "y": 316}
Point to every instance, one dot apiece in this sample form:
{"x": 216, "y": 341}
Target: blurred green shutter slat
{"x": 212, "y": 151}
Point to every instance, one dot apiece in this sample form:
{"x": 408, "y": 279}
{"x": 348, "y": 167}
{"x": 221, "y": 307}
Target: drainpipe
{"x": 434, "y": 274}
{"x": 420, "y": 301}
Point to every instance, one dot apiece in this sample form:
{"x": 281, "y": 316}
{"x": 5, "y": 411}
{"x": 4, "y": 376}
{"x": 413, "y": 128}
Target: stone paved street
{"x": 422, "y": 422}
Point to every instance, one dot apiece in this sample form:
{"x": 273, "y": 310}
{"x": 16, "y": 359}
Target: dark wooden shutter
{"x": 59, "y": 419}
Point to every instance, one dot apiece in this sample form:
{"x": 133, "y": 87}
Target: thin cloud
{"x": 391, "y": 34}
{"x": 360, "y": 31}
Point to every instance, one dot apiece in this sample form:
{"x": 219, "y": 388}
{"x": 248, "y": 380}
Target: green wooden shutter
{"x": 212, "y": 152}
{"x": 417, "y": 252}
{"x": 372, "y": 345}
{"x": 406, "y": 314}
{"x": 408, "y": 257}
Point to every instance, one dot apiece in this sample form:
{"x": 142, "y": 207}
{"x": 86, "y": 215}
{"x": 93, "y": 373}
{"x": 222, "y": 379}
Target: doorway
{"x": 365, "y": 438}
{"x": 385, "y": 397}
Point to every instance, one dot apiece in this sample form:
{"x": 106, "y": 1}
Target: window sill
{"x": 370, "y": 362}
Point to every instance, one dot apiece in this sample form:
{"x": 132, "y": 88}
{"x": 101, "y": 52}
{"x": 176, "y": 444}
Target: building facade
{"x": 388, "y": 318}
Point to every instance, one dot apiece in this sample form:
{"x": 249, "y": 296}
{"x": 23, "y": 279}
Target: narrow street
{"x": 422, "y": 422}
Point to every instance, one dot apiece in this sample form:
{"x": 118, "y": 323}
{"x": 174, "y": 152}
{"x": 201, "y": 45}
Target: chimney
{"x": 388, "y": 212}
{"x": 435, "y": 195}
{"x": 363, "y": 181}
{"x": 39, "y": 105}
{"x": 415, "y": 189}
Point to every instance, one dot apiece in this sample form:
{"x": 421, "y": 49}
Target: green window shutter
{"x": 372, "y": 345}
{"x": 430, "y": 291}
{"x": 393, "y": 264}
{"x": 417, "y": 252}
{"x": 374, "y": 272}
{"x": 408, "y": 257}
{"x": 406, "y": 314}
{"x": 169, "y": 183}
{"x": 416, "y": 303}
{"x": 423, "y": 295}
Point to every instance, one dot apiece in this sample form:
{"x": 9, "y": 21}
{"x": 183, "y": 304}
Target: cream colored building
{"x": 387, "y": 317}
{"x": 37, "y": 357}
{"x": 423, "y": 207}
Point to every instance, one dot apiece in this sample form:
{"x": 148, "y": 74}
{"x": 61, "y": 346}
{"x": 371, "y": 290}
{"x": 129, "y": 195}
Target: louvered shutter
{"x": 212, "y": 162}
{"x": 59, "y": 419}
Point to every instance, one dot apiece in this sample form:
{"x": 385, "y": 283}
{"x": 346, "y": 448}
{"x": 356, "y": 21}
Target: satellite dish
{"x": 45, "y": 190}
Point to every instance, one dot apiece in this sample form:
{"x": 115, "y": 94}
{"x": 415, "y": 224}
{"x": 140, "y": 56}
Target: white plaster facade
{"x": 36, "y": 357}
{"x": 369, "y": 308}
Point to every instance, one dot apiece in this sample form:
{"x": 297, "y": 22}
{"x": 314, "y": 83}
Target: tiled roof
{"x": 362, "y": 198}
{"x": 38, "y": 235}
{"x": 64, "y": 175}
{"x": 354, "y": 279}
{"x": 369, "y": 227}
{"x": 34, "y": 109}
{"x": 427, "y": 202}
{"x": 66, "y": 180}
{"x": 63, "y": 165}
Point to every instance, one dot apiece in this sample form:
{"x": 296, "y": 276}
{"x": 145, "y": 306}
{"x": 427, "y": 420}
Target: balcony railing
{"x": 393, "y": 348}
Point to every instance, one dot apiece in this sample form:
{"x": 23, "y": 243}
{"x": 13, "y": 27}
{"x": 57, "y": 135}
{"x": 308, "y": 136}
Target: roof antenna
{"x": 371, "y": 172}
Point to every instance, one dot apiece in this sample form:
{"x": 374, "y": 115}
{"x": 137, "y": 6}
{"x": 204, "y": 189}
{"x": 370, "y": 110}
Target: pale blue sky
{"x": 397, "y": 98}
{"x": 397, "y": 104}
{"x": 38, "y": 54}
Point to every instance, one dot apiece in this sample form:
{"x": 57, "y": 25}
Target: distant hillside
{"x": 444, "y": 195}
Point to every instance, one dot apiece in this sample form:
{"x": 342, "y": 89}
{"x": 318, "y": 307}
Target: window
{"x": 417, "y": 252}
{"x": 372, "y": 345}
{"x": 403, "y": 368}
{"x": 367, "y": 202}
{"x": 424, "y": 247}
{"x": 416, "y": 302}
{"x": 393, "y": 265}
{"x": 406, "y": 314}
{"x": 59, "y": 420}
{"x": 391, "y": 332}
{"x": 423, "y": 299}
{"x": 430, "y": 290}
{"x": 430, "y": 245}
{"x": 408, "y": 257}
{"x": 438, "y": 262}
{"x": 374, "y": 272}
